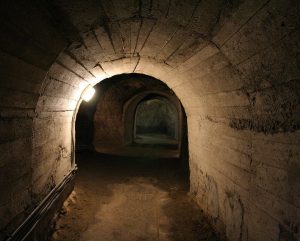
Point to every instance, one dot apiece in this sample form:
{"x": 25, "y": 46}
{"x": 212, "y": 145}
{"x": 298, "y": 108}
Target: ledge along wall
{"x": 234, "y": 65}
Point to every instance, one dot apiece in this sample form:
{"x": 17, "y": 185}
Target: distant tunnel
{"x": 233, "y": 65}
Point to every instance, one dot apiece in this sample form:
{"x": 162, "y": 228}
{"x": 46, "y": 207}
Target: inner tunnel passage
{"x": 130, "y": 199}
{"x": 233, "y": 66}
{"x": 133, "y": 180}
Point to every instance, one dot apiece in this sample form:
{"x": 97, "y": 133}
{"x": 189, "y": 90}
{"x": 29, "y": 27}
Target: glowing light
{"x": 88, "y": 93}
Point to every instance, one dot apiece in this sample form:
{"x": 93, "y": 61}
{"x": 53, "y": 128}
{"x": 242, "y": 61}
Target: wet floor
{"x": 126, "y": 199}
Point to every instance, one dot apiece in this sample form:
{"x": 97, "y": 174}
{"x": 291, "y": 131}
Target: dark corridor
{"x": 132, "y": 197}
{"x": 231, "y": 70}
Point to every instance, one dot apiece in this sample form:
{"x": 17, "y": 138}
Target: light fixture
{"x": 88, "y": 93}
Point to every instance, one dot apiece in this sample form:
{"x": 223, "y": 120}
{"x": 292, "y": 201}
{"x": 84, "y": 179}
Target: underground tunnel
{"x": 192, "y": 132}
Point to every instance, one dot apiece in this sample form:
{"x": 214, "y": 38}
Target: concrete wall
{"x": 233, "y": 64}
{"x": 111, "y": 117}
{"x": 115, "y": 111}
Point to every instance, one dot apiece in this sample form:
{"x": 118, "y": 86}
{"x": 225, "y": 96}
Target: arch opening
{"x": 111, "y": 122}
{"x": 143, "y": 175}
{"x": 156, "y": 121}
{"x": 233, "y": 65}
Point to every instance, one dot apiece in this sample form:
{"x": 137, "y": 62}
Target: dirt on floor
{"x": 130, "y": 199}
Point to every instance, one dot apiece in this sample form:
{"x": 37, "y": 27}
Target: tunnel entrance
{"x": 234, "y": 65}
{"x": 133, "y": 178}
{"x": 133, "y": 115}
{"x": 156, "y": 122}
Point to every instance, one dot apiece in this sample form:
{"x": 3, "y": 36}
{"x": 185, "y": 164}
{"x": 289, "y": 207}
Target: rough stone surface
{"x": 108, "y": 124}
{"x": 234, "y": 65}
{"x": 110, "y": 115}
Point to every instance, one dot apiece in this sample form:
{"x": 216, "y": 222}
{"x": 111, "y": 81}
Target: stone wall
{"x": 234, "y": 65}
{"x": 112, "y": 120}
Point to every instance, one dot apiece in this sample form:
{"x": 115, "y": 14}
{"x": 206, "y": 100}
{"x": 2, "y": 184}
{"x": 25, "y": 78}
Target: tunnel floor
{"x": 130, "y": 199}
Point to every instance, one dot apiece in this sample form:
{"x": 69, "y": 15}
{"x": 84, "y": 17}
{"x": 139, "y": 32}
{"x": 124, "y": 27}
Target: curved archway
{"x": 114, "y": 113}
{"x": 233, "y": 65}
{"x": 156, "y": 121}
{"x": 130, "y": 106}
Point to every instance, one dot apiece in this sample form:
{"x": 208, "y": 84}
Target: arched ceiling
{"x": 234, "y": 65}
{"x": 213, "y": 54}
{"x": 209, "y": 52}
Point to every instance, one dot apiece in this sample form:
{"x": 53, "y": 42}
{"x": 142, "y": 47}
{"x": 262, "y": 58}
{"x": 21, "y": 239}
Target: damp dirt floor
{"x": 130, "y": 199}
